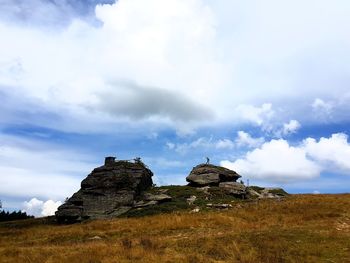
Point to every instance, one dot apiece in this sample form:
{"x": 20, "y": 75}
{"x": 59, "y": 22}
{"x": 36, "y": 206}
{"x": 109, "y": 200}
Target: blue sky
{"x": 259, "y": 87}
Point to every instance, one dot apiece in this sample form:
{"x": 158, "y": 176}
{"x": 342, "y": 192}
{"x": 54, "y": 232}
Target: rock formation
{"x": 126, "y": 188}
{"x": 208, "y": 174}
{"x": 234, "y": 188}
{"x": 108, "y": 191}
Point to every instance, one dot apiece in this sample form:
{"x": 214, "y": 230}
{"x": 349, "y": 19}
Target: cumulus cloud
{"x": 39, "y": 208}
{"x": 186, "y": 49}
{"x": 290, "y": 127}
{"x": 132, "y": 43}
{"x": 332, "y": 153}
{"x": 320, "y": 105}
{"x": 245, "y": 139}
{"x": 275, "y": 161}
{"x": 278, "y": 161}
{"x": 201, "y": 143}
{"x": 47, "y": 12}
{"x": 322, "y": 110}
{"x": 256, "y": 115}
{"x": 224, "y": 144}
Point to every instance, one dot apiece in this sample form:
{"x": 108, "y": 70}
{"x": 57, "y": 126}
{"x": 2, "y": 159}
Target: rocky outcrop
{"x": 254, "y": 192}
{"x": 108, "y": 191}
{"x": 125, "y": 188}
{"x": 234, "y": 188}
{"x": 208, "y": 174}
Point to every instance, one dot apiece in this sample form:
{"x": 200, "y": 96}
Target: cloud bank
{"x": 198, "y": 58}
{"x": 40, "y": 208}
{"x": 278, "y": 161}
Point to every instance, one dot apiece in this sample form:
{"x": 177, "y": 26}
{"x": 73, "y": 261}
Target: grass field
{"x": 301, "y": 228}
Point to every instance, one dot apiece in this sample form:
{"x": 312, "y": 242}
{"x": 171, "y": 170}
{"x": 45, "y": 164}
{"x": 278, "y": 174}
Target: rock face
{"x": 234, "y": 188}
{"x": 108, "y": 191}
{"x": 208, "y": 174}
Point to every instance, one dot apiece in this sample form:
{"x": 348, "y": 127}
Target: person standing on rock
{"x": 208, "y": 160}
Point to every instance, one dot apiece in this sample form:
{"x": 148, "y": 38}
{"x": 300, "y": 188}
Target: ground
{"x": 299, "y": 228}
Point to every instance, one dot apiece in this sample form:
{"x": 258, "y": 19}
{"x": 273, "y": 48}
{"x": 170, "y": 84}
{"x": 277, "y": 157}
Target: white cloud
{"x": 332, "y": 153}
{"x": 134, "y": 43}
{"x": 245, "y": 139}
{"x": 201, "y": 143}
{"x": 275, "y": 161}
{"x": 291, "y": 127}
{"x": 321, "y": 106}
{"x": 68, "y": 69}
{"x": 224, "y": 144}
{"x": 170, "y": 145}
{"x": 322, "y": 110}
{"x": 256, "y": 115}
{"x": 40, "y": 208}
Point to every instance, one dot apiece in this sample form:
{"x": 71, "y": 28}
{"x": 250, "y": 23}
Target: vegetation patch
{"x": 300, "y": 228}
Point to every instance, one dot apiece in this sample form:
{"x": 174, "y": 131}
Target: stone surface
{"x": 108, "y": 191}
{"x": 156, "y": 197}
{"x": 196, "y": 210}
{"x": 252, "y": 193}
{"x": 208, "y": 174}
{"x": 234, "y": 188}
{"x": 191, "y": 199}
{"x": 144, "y": 204}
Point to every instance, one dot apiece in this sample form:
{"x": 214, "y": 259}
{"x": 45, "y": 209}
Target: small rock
{"x": 191, "y": 199}
{"x": 196, "y": 210}
{"x": 204, "y": 189}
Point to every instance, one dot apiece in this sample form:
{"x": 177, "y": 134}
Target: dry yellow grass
{"x": 302, "y": 228}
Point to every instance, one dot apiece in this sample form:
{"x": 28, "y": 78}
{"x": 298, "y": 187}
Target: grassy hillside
{"x": 301, "y": 228}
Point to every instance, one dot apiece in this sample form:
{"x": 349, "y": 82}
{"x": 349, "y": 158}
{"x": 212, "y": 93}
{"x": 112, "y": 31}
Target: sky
{"x": 260, "y": 87}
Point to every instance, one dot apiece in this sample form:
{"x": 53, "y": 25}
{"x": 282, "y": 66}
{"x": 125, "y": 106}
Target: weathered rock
{"x": 144, "y": 204}
{"x": 275, "y": 191}
{"x": 191, "y": 199}
{"x": 234, "y": 188}
{"x": 208, "y": 174}
{"x": 204, "y": 189}
{"x": 265, "y": 193}
{"x": 196, "y": 210}
{"x": 220, "y": 206}
{"x": 156, "y": 197}
{"x": 108, "y": 191}
{"x": 253, "y": 194}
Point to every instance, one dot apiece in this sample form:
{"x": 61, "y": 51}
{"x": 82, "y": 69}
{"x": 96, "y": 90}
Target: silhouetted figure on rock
{"x": 208, "y": 160}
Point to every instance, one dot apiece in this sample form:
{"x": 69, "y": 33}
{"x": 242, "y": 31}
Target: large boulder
{"x": 108, "y": 191}
{"x": 208, "y": 174}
